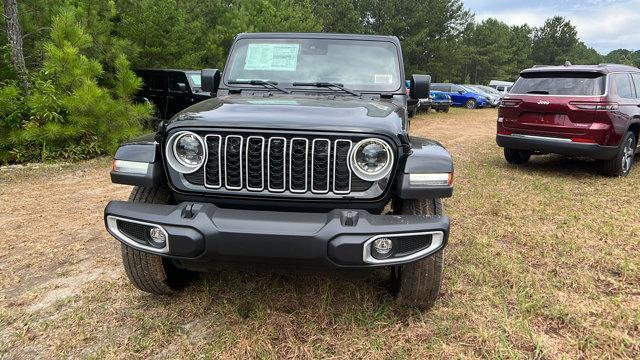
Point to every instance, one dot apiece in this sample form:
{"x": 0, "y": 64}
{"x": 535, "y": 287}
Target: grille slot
{"x": 276, "y": 163}
{"x": 255, "y": 163}
{"x": 320, "y": 155}
{"x": 213, "y": 167}
{"x": 288, "y": 164}
{"x": 233, "y": 162}
{"x": 298, "y": 162}
{"x": 341, "y": 172}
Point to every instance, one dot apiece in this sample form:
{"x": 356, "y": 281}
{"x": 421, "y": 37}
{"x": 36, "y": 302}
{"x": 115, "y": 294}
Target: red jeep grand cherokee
{"x": 576, "y": 110}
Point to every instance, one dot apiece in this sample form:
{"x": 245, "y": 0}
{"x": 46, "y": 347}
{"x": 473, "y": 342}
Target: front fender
{"x": 426, "y": 158}
{"x": 138, "y": 163}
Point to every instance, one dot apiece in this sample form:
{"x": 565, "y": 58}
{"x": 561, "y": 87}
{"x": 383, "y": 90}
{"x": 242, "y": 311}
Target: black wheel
{"x": 621, "y": 164}
{"x": 411, "y": 112}
{"x": 515, "y": 156}
{"x": 418, "y": 284}
{"x": 471, "y": 104}
{"x": 446, "y": 109}
{"x": 152, "y": 273}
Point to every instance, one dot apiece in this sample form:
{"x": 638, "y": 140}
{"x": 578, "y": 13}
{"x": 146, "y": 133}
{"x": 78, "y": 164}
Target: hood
{"x": 289, "y": 112}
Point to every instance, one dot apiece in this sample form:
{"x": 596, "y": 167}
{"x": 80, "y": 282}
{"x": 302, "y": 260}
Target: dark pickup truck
{"x": 304, "y": 157}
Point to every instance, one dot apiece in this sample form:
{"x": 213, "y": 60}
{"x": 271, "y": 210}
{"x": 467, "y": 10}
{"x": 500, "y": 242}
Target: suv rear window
{"x": 560, "y": 83}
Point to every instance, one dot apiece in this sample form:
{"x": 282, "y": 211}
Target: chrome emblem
{"x": 543, "y": 102}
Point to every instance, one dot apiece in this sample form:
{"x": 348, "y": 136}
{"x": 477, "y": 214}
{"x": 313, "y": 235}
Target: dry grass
{"x": 543, "y": 262}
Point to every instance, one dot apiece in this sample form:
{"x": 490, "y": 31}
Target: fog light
{"x": 381, "y": 248}
{"x": 157, "y": 237}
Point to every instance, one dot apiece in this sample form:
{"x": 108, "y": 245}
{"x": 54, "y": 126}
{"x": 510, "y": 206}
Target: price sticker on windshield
{"x": 383, "y": 79}
{"x": 275, "y": 57}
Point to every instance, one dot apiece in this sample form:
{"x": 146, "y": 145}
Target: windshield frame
{"x": 401, "y": 90}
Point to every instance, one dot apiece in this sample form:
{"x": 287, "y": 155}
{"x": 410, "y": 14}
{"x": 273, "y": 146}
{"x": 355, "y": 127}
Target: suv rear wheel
{"x": 148, "y": 272}
{"x": 621, "y": 164}
{"x": 418, "y": 284}
{"x": 515, "y": 156}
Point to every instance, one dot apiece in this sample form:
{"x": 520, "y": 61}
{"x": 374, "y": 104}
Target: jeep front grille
{"x": 291, "y": 164}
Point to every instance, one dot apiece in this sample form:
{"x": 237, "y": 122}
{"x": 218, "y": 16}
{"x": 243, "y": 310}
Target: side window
{"x": 636, "y": 81}
{"x": 456, "y": 89}
{"x": 156, "y": 81}
{"x": 624, "y": 88}
{"x": 175, "y": 80}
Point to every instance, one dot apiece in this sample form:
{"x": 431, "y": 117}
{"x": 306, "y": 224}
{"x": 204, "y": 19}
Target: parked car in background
{"x": 502, "y": 86}
{"x": 460, "y": 96}
{"x": 440, "y": 101}
{"x": 576, "y": 110}
{"x": 170, "y": 90}
{"x": 494, "y": 100}
{"x": 491, "y": 90}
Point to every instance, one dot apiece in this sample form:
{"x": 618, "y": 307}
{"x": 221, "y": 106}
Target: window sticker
{"x": 384, "y": 79}
{"x": 277, "y": 57}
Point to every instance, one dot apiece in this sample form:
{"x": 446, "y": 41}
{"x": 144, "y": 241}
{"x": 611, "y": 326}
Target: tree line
{"x": 73, "y": 52}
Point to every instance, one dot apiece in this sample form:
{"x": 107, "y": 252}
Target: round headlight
{"x": 185, "y": 152}
{"x": 371, "y": 159}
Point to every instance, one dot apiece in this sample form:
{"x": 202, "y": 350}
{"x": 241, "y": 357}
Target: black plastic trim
{"x": 567, "y": 148}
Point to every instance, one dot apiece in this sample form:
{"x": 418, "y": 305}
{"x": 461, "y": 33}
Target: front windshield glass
{"x": 356, "y": 64}
{"x": 196, "y": 79}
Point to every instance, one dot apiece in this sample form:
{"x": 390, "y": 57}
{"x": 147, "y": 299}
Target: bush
{"x": 67, "y": 114}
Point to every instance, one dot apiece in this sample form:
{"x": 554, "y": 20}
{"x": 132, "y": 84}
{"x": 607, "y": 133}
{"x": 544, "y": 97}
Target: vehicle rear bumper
{"x": 203, "y": 232}
{"x": 556, "y": 146}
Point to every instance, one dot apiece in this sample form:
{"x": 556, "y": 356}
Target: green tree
{"x": 554, "y": 42}
{"x": 68, "y": 114}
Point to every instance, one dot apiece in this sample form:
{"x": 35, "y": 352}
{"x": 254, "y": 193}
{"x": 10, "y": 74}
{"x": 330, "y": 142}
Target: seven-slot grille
{"x": 278, "y": 164}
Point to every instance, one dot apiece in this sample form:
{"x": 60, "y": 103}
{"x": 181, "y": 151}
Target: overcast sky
{"x": 602, "y": 24}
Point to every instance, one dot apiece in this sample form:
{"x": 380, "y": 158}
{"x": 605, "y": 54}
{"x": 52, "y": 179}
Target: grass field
{"x": 543, "y": 262}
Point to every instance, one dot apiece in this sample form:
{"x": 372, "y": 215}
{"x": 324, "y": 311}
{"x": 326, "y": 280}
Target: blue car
{"x": 462, "y": 97}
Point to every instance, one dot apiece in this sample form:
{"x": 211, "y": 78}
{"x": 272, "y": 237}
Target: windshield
{"x": 195, "y": 79}
{"x": 356, "y": 64}
{"x": 560, "y": 83}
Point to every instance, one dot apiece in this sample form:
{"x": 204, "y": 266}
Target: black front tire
{"x": 148, "y": 272}
{"x": 418, "y": 284}
{"x": 515, "y": 156}
{"x": 622, "y": 163}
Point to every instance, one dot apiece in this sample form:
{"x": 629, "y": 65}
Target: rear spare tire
{"x": 417, "y": 284}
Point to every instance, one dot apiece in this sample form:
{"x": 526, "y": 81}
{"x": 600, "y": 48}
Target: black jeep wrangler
{"x": 169, "y": 90}
{"x": 303, "y": 158}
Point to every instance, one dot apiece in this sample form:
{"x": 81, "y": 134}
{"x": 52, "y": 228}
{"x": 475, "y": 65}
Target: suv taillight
{"x": 589, "y": 105}
{"x": 510, "y": 102}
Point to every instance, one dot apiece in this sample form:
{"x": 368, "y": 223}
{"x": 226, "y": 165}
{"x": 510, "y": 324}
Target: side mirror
{"x": 460, "y": 92}
{"x": 420, "y": 86}
{"x": 182, "y": 87}
{"x": 210, "y": 79}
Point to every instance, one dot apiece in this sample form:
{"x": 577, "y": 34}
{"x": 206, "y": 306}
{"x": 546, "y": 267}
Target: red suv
{"x": 576, "y": 110}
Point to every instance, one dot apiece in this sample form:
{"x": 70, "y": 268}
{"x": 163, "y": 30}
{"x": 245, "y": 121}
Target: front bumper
{"x": 203, "y": 232}
{"x": 556, "y": 146}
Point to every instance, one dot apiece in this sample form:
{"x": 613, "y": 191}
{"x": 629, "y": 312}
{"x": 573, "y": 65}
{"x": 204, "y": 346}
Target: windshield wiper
{"x": 541, "y": 92}
{"x": 327, "y": 85}
{"x": 265, "y": 83}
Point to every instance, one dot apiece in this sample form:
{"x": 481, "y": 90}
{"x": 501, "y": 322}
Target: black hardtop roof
{"x": 317, "y": 36}
{"x": 168, "y": 70}
{"x": 601, "y": 68}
